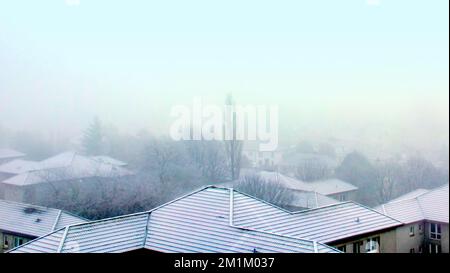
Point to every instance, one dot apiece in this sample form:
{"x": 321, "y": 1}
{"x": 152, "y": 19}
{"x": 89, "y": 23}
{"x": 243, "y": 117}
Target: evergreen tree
{"x": 93, "y": 138}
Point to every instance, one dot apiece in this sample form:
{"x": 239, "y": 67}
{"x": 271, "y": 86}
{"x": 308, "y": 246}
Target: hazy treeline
{"x": 165, "y": 169}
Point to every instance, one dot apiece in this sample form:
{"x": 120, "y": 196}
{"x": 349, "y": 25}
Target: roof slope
{"x": 224, "y": 220}
{"x": 419, "y": 205}
{"x": 331, "y": 186}
{"x": 18, "y": 166}
{"x": 310, "y": 200}
{"x": 10, "y": 153}
{"x": 66, "y": 166}
{"x": 324, "y": 187}
{"x": 199, "y": 222}
{"x": 31, "y": 220}
{"x": 325, "y": 224}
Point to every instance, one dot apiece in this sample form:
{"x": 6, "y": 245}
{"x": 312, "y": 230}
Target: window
{"x": 411, "y": 231}
{"x": 432, "y": 248}
{"x": 18, "y": 241}
{"x": 435, "y": 231}
{"x": 373, "y": 245}
{"x": 357, "y": 247}
{"x": 342, "y": 197}
{"x": 412, "y": 250}
{"x": 5, "y": 242}
{"x": 420, "y": 229}
{"x": 342, "y": 248}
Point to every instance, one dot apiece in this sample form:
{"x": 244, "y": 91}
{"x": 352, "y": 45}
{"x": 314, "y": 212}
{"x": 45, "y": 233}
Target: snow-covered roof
{"x": 410, "y": 195}
{"x": 66, "y": 166}
{"x": 431, "y": 205}
{"x": 109, "y": 160}
{"x": 324, "y": 187}
{"x": 215, "y": 219}
{"x": 331, "y": 186}
{"x": 33, "y": 221}
{"x": 10, "y": 153}
{"x": 310, "y": 199}
{"x": 18, "y": 166}
{"x": 201, "y": 222}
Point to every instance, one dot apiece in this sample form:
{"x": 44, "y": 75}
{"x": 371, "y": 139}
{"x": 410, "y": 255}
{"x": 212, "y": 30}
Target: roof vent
{"x": 38, "y": 220}
{"x": 255, "y": 251}
{"x": 357, "y": 220}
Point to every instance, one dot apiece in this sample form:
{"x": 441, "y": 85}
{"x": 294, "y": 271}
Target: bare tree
{"x": 209, "y": 157}
{"x": 420, "y": 173}
{"x": 312, "y": 169}
{"x": 160, "y": 156}
{"x": 268, "y": 190}
{"x": 386, "y": 181}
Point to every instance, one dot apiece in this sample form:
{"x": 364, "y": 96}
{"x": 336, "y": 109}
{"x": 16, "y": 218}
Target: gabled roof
{"x": 410, "y": 195}
{"x": 66, "y": 166}
{"x": 109, "y": 160}
{"x": 419, "y": 205}
{"x": 18, "y": 166}
{"x": 203, "y": 221}
{"x": 31, "y": 220}
{"x": 331, "y": 186}
{"x": 324, "y": 224}
{"x": 216, "y": 219}
{"x": 310, "y": 199}
{"x": 10, "y": 153}
{"x": 324, "y": 187}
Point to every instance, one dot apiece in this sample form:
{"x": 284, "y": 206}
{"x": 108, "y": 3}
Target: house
{"x": 425, "y": 217}
{"x": 109, "y": 160}
{"x": 24, "y": 180}
{"x": 332, "y": 188}
{"x": 201, "y": 222}
{"x": 223, "y": 220}
{"x": 7, "y": 155}
{"x": 15, "y": 167}
{"x": 300, "y": 198}
{"x": 20, "y": 223}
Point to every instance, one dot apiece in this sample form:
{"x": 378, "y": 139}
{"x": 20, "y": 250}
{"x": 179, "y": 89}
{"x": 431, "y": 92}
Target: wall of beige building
{"x": 388, "y": 243}
{"x": 445, "y": 238}
{"x": 9, "y": 241}
{"x": 410, "y": 237}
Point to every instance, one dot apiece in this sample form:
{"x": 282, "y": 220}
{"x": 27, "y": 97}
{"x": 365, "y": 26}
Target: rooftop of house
{"x": 18, "y": 166}
{"x": 323, "y": 187}
{"x": 419, "y": 205}
{"x": 216, "y": 219}
{"x": 331, "y": 186}
{"x": 310, "y": 200}
{"x": 109, "y": 160}
{"x": 10, "y": 153}
{"x": 33, "y": 221}
{"x": 64, "y": 166}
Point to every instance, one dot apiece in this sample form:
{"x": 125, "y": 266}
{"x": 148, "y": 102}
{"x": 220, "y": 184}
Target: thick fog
{"x": 374, "y": 74}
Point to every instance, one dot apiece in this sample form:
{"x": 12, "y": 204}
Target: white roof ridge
{"x": 56, "y": 220}
{"x": 63, "y": 239}
{"x": 35, "y": 239}
{"x": 410, "y": 198}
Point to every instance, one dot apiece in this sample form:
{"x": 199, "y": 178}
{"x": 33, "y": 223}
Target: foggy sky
{"x": 335, "y": 68}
